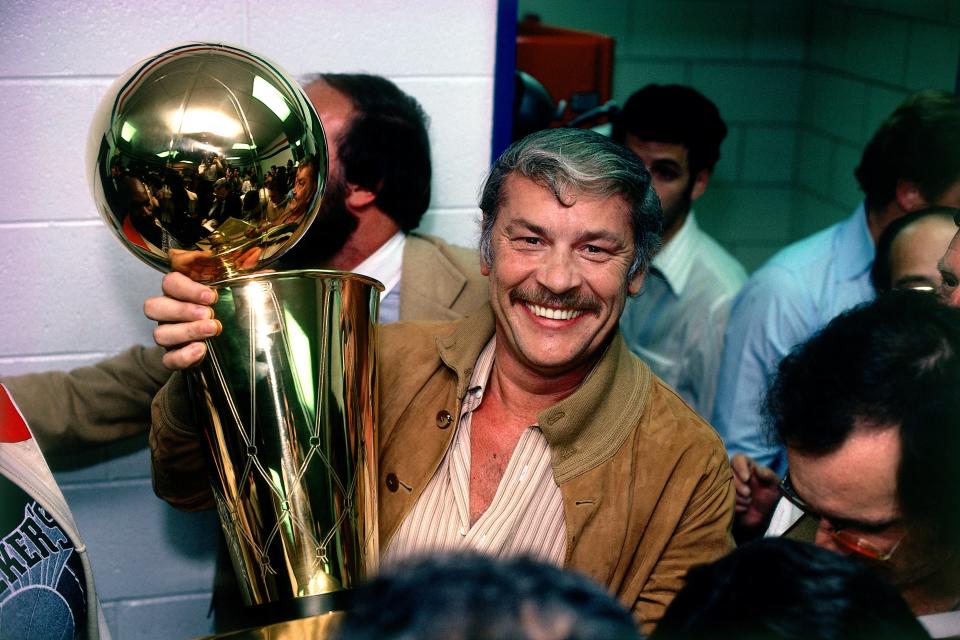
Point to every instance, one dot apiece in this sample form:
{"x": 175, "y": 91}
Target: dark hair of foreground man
{"x": 782, "y": 589}
{"x": 473, "y": 597}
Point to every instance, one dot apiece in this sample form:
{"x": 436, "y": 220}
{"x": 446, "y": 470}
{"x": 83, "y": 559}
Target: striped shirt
{"x": 525, "y": 516}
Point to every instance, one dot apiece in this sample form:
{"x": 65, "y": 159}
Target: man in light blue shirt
{"x": 676, "y": 323}
{"x": 912, "y": 161}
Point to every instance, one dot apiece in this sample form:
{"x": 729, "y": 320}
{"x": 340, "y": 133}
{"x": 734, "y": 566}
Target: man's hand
{"x": 757, "y": 493}
{"x": 185, "y": 319}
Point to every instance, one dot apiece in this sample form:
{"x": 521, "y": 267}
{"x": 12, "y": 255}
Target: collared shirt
{"x": 524, "y": 517}
{"x": 676, "y": 323}
{"x": 386, "y": 265}
{"x": 785, "y": 515}
{"x": 792, "y": 296}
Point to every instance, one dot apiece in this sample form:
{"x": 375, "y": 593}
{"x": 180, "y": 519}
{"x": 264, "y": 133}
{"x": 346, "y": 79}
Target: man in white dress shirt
{"x": 676, "y": 324}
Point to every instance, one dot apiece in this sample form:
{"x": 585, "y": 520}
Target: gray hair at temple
{"x": 572, "y": 162}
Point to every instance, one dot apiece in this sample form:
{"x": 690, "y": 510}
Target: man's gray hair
{"x": 573, "y": 162}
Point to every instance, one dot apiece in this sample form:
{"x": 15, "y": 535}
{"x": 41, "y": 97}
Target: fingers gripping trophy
{"x": 287, "y": 389}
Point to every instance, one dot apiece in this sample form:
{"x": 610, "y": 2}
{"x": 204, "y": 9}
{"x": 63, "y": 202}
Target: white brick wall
{"x": 72, "y": 294}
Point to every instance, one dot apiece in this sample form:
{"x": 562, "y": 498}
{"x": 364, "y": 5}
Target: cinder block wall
{"x": 863, "y": 59}
{"x": 801, "y": 84}
{"x": 71, "y": 294}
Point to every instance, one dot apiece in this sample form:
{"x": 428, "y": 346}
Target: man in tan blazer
{"x": 374, "y": 199}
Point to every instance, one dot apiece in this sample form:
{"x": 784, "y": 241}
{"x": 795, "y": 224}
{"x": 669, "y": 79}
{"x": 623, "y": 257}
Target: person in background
{"x": 676, "y": 324}
{"x": 388, "y": 188}
{"x": 911, "y": 162}
{"x": 909, "y": 250}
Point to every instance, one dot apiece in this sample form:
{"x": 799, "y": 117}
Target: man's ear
{"x": 908, "y": 196}
{"x": 484, "y": 266}
{"x": 359, "y": 198}
{"x": 636, "y": 283}
{"x": 700, "y": 183}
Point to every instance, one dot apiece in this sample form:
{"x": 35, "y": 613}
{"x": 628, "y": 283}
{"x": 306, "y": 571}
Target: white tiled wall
{"x": 72, "y": 294}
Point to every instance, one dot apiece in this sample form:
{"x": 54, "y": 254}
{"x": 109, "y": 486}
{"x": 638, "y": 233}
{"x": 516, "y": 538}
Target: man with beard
{"x": 676, "y": 324}
{"x": 869, "y": 413}
{"x": 377, "y": 192}
{"x": 528, "y": 427}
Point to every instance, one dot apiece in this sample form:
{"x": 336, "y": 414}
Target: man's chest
{"x": 494, "y": 434}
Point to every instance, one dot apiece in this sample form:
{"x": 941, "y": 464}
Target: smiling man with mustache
{"x": 528, "y": 427}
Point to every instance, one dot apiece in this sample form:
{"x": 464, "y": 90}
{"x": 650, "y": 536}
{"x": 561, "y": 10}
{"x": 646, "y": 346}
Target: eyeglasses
{"x": 923, "y": 288}
{"x": 845, "y": 539}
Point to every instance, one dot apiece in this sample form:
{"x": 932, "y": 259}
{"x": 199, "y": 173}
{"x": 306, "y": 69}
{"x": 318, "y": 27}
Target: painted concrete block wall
{"x": 746, "y": 56}
{"x": 801, "y": 84}
{"x": 71, "y": 294}
{"x": 864, "y": 59}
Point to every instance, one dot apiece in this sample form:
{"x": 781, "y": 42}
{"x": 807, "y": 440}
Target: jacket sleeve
{"x": 703, "y": 535}
{"x": 177, "y": 455}
{"x": 107, "y": 401}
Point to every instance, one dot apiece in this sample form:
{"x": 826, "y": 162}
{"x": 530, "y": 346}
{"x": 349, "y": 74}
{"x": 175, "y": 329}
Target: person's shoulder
{"x": 411, "y": 343}
{"x": 724, "y": 271}
{"x": 466, "y": 260}
{"x": 811, "y": 252}
{"x": 668, "y": 413}
{"x": 793, "y": 270}
{"x": 439, "y": 277}
{"x": 409, "y": 333}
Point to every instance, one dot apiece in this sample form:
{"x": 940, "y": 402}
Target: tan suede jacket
{"x": 647, "y": 489}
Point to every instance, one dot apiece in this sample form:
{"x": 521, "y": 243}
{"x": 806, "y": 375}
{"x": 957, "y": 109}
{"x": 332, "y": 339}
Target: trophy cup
{"x": 288, "y": 389}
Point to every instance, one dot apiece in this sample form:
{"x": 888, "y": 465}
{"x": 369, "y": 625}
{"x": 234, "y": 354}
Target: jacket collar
{"x": 584, "y": 429}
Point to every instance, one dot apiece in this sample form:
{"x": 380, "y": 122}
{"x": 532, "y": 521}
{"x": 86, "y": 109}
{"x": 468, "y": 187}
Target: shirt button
{"x": 392, "y": 483}
{"x": 444, "y": 419}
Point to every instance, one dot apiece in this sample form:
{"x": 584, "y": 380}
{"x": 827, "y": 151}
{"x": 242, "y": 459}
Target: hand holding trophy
{"x": 191, "y": 156}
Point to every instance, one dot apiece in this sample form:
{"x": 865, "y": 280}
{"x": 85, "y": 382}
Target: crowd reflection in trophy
{"x": 207, "y": 205}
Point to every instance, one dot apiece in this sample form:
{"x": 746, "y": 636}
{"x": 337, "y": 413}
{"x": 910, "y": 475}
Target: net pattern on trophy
{"x": 287, "y": 463}
{"x": 289, "y": 489}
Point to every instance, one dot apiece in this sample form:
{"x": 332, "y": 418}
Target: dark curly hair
{"x": 675, "y": 114}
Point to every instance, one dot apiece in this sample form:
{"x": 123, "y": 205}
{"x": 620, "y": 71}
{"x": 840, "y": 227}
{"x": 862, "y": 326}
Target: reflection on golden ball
{"x": 207, "y": 159}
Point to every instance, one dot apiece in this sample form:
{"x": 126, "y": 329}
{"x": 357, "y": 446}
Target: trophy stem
{"x": 289, "y": 394}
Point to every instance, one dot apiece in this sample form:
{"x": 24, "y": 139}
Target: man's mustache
{"x": 544, "y": 298}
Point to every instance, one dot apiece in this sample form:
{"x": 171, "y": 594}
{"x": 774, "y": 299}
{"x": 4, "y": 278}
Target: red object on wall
{"x": 576, "y": 66}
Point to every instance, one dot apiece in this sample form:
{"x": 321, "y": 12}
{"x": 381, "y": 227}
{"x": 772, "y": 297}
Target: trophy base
{"x": 270, "y": 613}
{"x": 320, "y": 627}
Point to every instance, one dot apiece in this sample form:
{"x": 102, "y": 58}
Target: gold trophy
{"x": 191, "y": 155}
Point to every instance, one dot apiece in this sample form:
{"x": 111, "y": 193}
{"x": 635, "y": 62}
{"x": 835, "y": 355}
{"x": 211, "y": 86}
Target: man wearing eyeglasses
{"x": 909, "y": 250}
{"x": 869, "y": 413}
